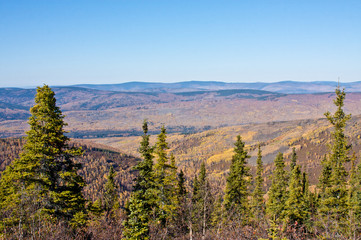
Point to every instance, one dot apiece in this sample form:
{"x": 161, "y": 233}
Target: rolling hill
{"x": 288, "y": 87}
{"x": 95, "y": 113}
{"x": 215, "y": 147}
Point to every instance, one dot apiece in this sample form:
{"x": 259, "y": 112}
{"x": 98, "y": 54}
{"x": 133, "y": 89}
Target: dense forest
{"x": 52, "y": 189}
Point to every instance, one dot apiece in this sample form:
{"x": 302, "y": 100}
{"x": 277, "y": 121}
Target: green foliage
{"x": 44, "y": 179}
{"x": 202, "y": 201}
{"x": 333, "y": 203}
{"x": 354, "y": 200}
{"x": 182, "y": 191}
{"x": 258, "y": 205}
{"x": 293, "y": 159}
{"x": 237, "y": 188}
{"x": 136, "y": 227}
{"x": 274, "y": 231}
{"x": 142, "y": 203}
{"x": 218, "y": 213}
{"x": 166, "y": 180}
{"x": 182, "y": 218}
{"x": 325, "y": 177}
{"x": 110, "y": 198}
{"x": 277, "y": 193}
{"x": 79, "y": 220}
{"x": 296, "y": 208}
{"x": 155, "y": 197}
{"x": 171, "y": 191}
{"x": 96, "y": 208}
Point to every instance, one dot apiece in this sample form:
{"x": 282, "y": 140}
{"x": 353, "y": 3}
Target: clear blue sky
{"x": 61, "y": 42}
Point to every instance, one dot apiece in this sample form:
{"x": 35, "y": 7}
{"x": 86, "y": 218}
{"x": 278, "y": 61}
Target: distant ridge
{"x": 286, "y": 87}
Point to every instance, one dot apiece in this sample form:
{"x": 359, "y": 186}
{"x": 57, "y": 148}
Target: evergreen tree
{"x": 333, "y": 204}
{"x": 325, "y": 177}
{"x": 354, "y": 200}
{"x": 44, "y": 179}
{"x": 182, "y": 191}
{"x": 293, "y": 159}
{"x": 258, "y": 205}
{"x": 110, "y": 197}
{"x": 296, "y": 209}
{"x": 96, "y": 208}
{"x": 305, "y": 184}
{"x": 136, "y": 226}
{"x": 277, "y": 193}
{"x": 171, "y": 190}
{"x": 166, "y": 179}
{"x": 143, "y": 201}
{"x": 238, "y": 180}
{"x": 217, "y": 213}
{"x": 202, "y": 202}
{"x": 182, "y": 219}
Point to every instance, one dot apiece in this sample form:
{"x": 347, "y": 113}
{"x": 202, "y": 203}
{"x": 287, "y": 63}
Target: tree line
{"x": 41, "y": 192}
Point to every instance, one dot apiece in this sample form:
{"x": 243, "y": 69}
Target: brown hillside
{"x": 96, "y": 162}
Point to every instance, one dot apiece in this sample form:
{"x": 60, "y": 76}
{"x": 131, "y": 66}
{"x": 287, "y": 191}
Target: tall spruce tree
{"x": 166, "y": 180}
{"x": 258, "y": 204}
{"x": 333, "y": 204}
{"x": 277, "y": 193}
{"x": 44, "y": 179}
{"x": 238, "y": 180}
{"x": 142, "y": 204}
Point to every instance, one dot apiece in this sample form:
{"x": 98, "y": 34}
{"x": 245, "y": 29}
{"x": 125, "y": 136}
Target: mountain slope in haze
{"x": 96, "y": 113}
{"x": 287, "y": 87}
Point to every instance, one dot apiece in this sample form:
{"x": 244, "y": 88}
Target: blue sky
{"x": 62, "y": 42}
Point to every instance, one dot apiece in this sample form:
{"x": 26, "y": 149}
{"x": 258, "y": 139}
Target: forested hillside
{"x": 280, "y": 180}
{"x": 96, "y": 161}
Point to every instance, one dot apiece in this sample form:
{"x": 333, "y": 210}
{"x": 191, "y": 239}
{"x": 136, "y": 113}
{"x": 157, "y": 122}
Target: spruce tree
{"x": 202, "y": 202}
{"x": 324, "y": 180}
{"x": 44, "y": 179}
{"x": 277, "y": 193}
{"x": 333, "y": 204}
{"x": 110, "y": 195}
{"x": 354, "y": 200}
{"x": 171, "y": 191}
{"x": 238, "y": 180}
{"x": 182, "y": 191}
{"x": 296, "y": 209}
{"x": 142, "y": 204}
{"x": 293, "y": 159}
{"x": 258, "y": 205}
{"x": 182, "y": 218}
{"x": 166, "y": 180}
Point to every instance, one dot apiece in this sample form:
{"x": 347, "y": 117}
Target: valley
{"x": 92, "y": 113}
{"x": 201, "y": 130}
{"x": 202, "y": 123}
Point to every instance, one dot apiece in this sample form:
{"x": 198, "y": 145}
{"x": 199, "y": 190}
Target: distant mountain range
{"x": 287, "y": 87}
{"x": 119, "y": 109}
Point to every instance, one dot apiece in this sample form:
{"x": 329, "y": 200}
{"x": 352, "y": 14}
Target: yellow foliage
{"x": 226, "y": 155}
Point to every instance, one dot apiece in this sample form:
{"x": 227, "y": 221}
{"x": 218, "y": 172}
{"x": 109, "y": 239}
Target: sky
{"x": 65, "y": 42}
